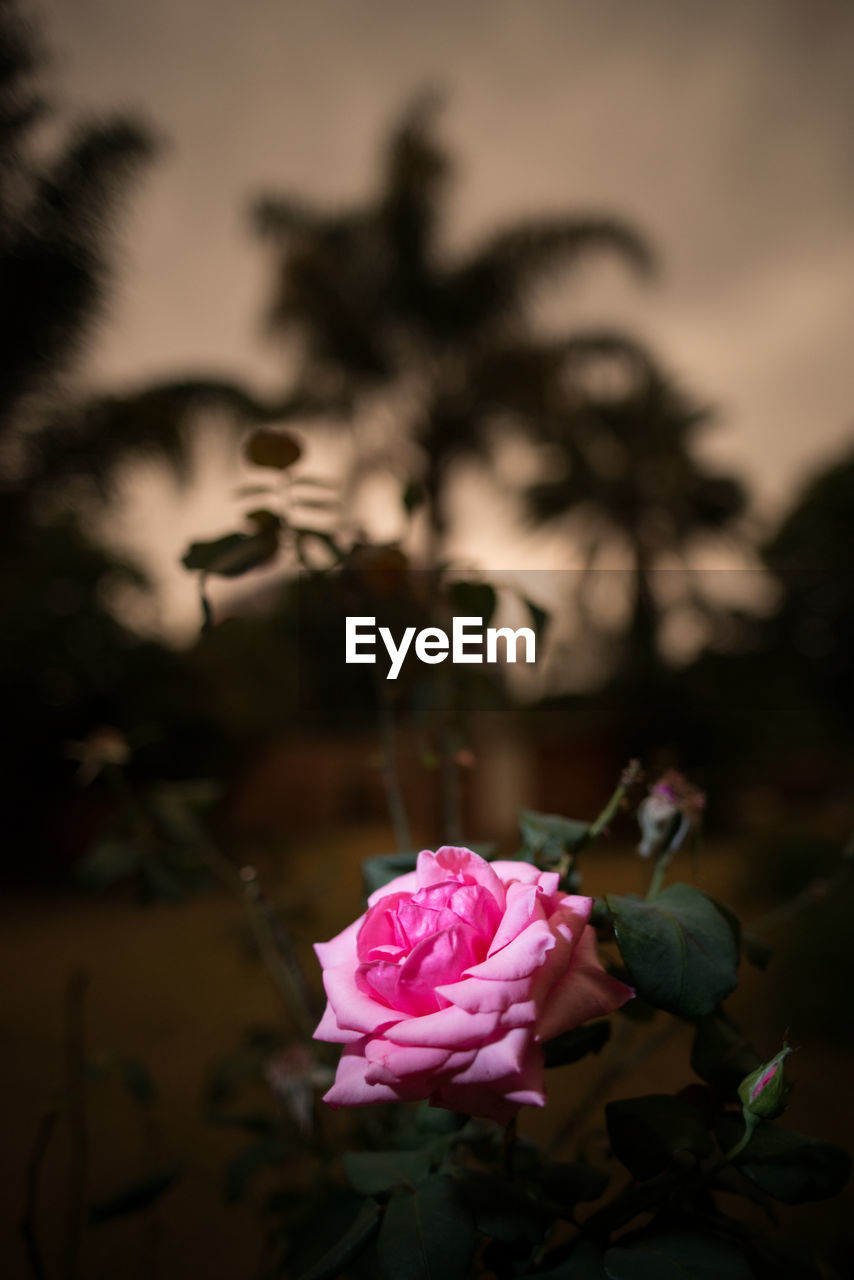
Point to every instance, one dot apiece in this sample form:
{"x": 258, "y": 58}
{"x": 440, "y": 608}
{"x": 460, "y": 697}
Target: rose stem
{"x": 628, "y": 778}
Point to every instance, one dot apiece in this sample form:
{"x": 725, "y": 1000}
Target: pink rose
{"x": 449, "y": 983}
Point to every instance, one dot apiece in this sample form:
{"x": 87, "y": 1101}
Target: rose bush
{"x": 448, "y": 985}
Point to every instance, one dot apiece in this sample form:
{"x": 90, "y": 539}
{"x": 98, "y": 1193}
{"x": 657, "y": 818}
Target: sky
{"x": 722, "y": 131}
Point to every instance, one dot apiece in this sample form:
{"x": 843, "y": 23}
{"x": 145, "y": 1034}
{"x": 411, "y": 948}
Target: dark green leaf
{"x": 381, "y": 870}
{"x": 788, "y": 1166}
{"x": 721, "y": 1055}
{"x": 375, "y": 1172}
{"x": 473, "y": 600}
{"x": 677, "y": 1256}
{"x": 678, "y": 948}
{"x": 109, "y": 862}
{"x": 236, "y": 553}
{"x": 437, "y": 1121}
{"x": 134, "y": 1198}
{"x": 268, "y": 1152}
{"x": 648, "y": 1133}
{"x": 548, "y": 836}
{"x": 427, "y": 1234}
{"x": 573, "y": 1045}
{"x": 347, "y": 1247}
{"x": 501, "y": 1208}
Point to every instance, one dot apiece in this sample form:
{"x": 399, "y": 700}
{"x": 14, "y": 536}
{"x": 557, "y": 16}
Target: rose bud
{"x": 448, "y": 985}
{"x": 668, "y": 813}
{"x": 764, "y": 1093}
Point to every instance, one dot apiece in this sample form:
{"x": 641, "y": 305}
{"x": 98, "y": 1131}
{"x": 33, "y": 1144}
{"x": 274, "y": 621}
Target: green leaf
{"x": 501, "y": 1208}
{"x": 236, "y": 553}
{"x": 721, "y": 1055}
{"x": 268, "y": 1152}
{"x": 678, "y": 948}
{"x": 573, "y": 1045}
{"x": 427, "y": 1234}
{"x": 375, "y": 1172}
{"x": 438, "y": 1122}
{"x": 789, "y": 1166}
{"x": 548, "y": 836}
{"x": 347, "y": 1247}
{"x": 648, "y": 1133}
{"x": 381, "y": 870}
{"x": 677, "y": 1256}
{"x": 109, "y": 862}
{"x": 133, "y": 1198}
{"x": 473, "y": 600}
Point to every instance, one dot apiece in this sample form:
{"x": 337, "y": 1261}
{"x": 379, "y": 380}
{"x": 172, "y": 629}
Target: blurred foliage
{"x": 377, "y": 303}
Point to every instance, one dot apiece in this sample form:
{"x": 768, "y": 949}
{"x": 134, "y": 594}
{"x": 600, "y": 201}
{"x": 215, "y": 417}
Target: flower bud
{"x": 764, "y": 1093}
{"x": 673, "y": 807}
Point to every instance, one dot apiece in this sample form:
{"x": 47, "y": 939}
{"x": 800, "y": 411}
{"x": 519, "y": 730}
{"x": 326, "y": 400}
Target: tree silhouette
{"x": 377, "y": 303}
{"x": 56, "y": 215}
{"x": 628, "y": 481}
{"x": 810, "y": 555}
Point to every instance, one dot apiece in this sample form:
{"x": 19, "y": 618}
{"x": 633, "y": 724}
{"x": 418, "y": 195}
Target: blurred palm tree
{"x": 65, "y": 661}
{"x": 378, "y": 304}
{"x": 810, "y": 556}
{"x": 625, "y": 480}
{"x": 56, "y": 215}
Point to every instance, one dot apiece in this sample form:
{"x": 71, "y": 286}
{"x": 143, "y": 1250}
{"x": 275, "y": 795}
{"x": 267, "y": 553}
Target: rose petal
{"x": 500, "y": 1059}
{"x": 525, "y": 903}
{"x": 397, "y": 1062}
{"x": 381, "y": 931}
{"x": 340, "y": 948}
{"x": 351, "y": 1088}
{"x": 354, "y": 1011}
{"x": 406, "y": 883}
{"x": 521, "y": 957}
{"x": 453, "y": 863}
{"x": 450, "y": 1028}
{"x": 440, "y": 906}
{"x": 329, "y": 1030}
{"x": 478, "y": 995}
{"x": 585, "y": 991}
{"x": 567, "y": 924}
{"x": 509, "y": 870}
